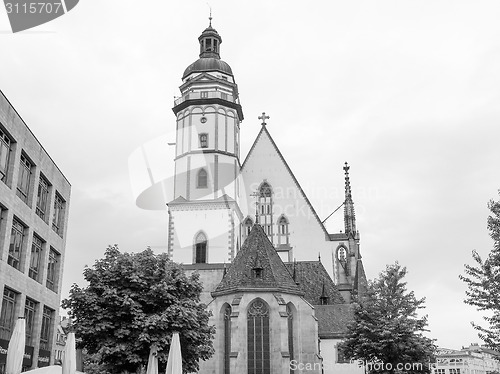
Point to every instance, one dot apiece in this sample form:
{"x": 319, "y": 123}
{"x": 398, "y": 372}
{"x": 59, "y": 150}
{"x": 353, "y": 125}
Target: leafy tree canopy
{"x": 135, "y": 300}
{"x": 386, "y": 328}
{"x": 483, "y": 281}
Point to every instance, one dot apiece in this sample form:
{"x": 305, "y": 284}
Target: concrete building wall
{"x": 17, "y": 275}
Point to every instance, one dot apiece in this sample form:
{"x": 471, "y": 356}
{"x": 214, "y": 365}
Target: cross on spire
{"x": 263, "y": 117}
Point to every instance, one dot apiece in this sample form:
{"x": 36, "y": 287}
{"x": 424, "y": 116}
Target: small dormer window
{"x": 258, "y": 273}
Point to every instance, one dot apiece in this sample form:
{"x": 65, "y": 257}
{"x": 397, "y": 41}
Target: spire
{"x": 349, "y": 215}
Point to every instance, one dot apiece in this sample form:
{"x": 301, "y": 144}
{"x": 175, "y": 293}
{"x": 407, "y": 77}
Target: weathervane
{"x": 263, "y": 117}
{"x": 210, "y": 18}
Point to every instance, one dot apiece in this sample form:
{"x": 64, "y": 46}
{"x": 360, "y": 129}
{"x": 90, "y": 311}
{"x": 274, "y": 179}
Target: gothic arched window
{"x": 227, "y": 338}
{"x": 259, "y": 353}
{"x": 202, "y": 179}
{"x": 290, "y": 323}
{"x": 266, "y": 209}
{"x": 200, "y": 249}
{"x": 283, "y": 230}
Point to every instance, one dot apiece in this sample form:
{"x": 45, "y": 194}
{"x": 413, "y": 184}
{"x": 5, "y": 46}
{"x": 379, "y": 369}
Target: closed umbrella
{"x": 174, "y": 363}
{"x": 153, "y": 361}
{"x": 15, "y": 351}
{"x": 69, "y": 359}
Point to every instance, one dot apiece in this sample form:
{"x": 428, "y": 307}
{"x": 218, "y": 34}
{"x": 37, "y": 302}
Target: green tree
{"x": 386, "y": 328}
{"x": 483, "y": 281}
{"x": 134, "y": 300}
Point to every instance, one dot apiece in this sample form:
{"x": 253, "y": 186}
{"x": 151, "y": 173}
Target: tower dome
{"x": 209, "y": 60}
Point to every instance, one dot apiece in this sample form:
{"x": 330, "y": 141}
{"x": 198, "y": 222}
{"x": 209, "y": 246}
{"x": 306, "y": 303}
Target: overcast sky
{"x": 407, "y": 92}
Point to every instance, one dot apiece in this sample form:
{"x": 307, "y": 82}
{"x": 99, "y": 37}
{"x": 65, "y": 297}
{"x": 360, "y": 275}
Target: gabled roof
{"x": 333, "y": 319}
{"x": 314, "y": 281}
{"x": 264, "y": 130}
{"x": 257, "y": 252}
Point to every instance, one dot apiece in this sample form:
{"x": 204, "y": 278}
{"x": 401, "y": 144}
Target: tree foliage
{"x": 134, "y": 300}
{"x": 483, "y": 281}
{"x": 386, "y": 328}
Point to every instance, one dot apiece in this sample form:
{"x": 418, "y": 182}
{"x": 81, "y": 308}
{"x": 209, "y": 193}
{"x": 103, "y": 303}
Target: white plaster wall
{"x": 214, "y": 223}
{"x": 306, "y": 234}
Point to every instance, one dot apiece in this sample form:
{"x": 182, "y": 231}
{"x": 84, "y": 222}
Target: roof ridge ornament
{"x": 263, "y": 117}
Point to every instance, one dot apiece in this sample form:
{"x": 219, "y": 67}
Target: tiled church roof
{"x": 313, "y": 279}
{"x": 257, "y": 252}
{"x": 333, "y": 319}
{"x": 360, "y": 282}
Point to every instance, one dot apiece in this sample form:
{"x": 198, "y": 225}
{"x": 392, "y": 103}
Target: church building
{"x": 278, "y": 284}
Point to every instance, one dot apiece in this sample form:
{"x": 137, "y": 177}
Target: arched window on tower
{"x": 247, "y": 227}
{"x": 283, "y": 233}
{"x": 227, "y": 338}
{"x": 202, "y": 179}
{"x": 200, "y": 249}
{"x": 290, "y": 323}
{"x": 203, "y": 140}
{"x": 259, "y": 352}
{"x": 265, "y": 209}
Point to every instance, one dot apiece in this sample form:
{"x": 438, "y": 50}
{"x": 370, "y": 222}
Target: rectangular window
{"x": 203, "y": 140}
{"x": 29, "y": 315}
{"x": 36, "y": 255}
{"x": 47, "y": 319}
{"x": 204, "y": 94}
{"x": 7, "y": 314}
{"x": 53, "y": 270}
{"x": 42, "y": 198}
{"x": 23, "y": 182}
{"x": 58, "y": 217}
{"x": 16, "y": 244}
{"x": 4, "y": 155}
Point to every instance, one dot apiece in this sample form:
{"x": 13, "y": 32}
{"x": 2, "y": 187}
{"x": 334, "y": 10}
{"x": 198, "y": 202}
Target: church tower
{"x": 204, "y": 216}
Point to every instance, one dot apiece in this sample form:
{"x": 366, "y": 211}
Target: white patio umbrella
{"x": 15, "y": 351}
{"x": 174, "y": 363}
{"x": 69, "y": 359}
{"x": 51, "y": 369}
{"x": 152, "y": 361}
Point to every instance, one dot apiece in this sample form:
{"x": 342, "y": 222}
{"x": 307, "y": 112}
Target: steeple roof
{"x": 257, "y": 266}
{"x": 209, "y": 60}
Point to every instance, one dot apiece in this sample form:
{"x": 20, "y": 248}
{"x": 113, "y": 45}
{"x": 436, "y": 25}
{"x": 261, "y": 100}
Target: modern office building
{"x": 34, "y": 202}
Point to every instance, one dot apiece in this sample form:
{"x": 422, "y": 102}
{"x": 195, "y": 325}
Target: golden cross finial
{"x": 263, "y": 117}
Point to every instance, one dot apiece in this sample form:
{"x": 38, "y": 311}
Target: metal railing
{"x": 206, "y": 95}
